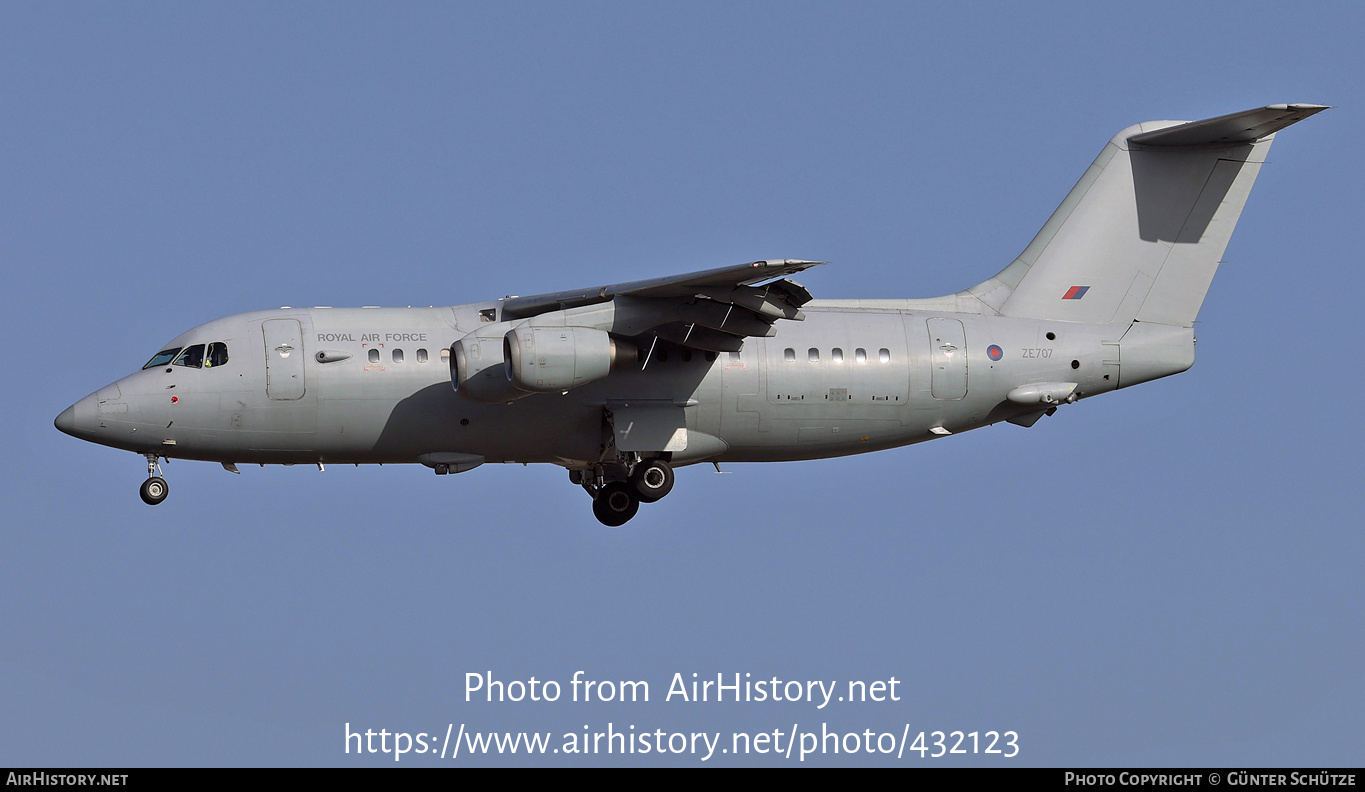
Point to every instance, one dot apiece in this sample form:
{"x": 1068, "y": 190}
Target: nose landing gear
{"x": 155, "y": 489}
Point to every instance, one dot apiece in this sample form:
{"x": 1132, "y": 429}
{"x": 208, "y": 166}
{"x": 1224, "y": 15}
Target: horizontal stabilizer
{"x": 1244, "y": 127}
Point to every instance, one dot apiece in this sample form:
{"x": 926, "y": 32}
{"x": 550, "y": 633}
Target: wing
{"x": 712, "y": 310}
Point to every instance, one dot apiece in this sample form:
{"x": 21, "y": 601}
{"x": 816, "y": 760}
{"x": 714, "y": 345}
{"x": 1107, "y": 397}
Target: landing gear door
{"x": 648, "y": 427}
{"x": 948, "y": 358}
{"x": 283, "y": 359}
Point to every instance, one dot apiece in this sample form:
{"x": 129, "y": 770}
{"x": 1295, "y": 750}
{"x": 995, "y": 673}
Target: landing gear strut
{"x": 155, "y": 489}
{"x": 618, "y": 489}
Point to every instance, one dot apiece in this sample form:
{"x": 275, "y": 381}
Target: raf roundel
{"x": 994, "y": 352}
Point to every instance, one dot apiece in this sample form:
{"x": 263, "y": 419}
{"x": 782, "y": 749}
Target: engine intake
{"x": 477, "y": 372}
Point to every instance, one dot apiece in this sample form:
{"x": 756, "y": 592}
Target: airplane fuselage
{"x": 844, "y": 381}
{"x": 620, "y": 383}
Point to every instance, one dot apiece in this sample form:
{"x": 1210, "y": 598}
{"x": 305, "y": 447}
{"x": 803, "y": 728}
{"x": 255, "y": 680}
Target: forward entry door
{"x": 283, "y": 359}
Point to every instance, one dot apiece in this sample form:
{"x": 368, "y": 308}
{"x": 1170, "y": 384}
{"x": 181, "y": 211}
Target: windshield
{"x": 162, "y": 358}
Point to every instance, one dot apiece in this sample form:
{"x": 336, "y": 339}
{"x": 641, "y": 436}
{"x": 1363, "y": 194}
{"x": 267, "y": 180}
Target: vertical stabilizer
{"x": 1141, "y": 234}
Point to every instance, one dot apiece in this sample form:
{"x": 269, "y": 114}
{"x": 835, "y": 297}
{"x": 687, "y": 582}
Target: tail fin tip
{"x": 1141, "y": 234}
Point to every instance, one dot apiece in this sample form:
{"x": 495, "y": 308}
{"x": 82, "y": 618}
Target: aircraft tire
{"x": 154, "y": 490}
{"x": 615, "y": 504}
{"x": 652, "y": 480}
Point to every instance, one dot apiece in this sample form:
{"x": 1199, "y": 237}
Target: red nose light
{"x": 175, "y": 399}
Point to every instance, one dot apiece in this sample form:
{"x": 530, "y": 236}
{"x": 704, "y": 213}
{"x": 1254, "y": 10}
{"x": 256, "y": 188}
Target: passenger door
{"x": 283, "y": 359}
{"x": 948, "y": 358}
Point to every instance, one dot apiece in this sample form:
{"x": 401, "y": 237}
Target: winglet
{"x": 1244, "y": 127}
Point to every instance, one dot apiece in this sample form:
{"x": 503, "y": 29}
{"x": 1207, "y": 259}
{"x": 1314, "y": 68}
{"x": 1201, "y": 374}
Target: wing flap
{"x": 698, "y": 337}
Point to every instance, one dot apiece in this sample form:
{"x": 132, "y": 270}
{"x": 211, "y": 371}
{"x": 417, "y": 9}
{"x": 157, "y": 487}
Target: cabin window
{"x": 445, "y": 354}
{"x": 813, "y": 355}
{"x": 163, "y": 357}
{"x": 836, "y": 355}
{"x": 217, "y": 354}
{"x": 397, "y": 356}
{"x": 860, "y": 355}
{"x": 884, "y": 355}
{"x": 374, "y": 355}
{"x": 421, "y": 356}
{"x": 192, "y": 357}
{"x": 789, "y": 355}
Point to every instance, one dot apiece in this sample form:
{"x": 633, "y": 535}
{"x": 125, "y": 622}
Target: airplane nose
{"x": 79, "y": 419}
{"x": 66, "y": 422}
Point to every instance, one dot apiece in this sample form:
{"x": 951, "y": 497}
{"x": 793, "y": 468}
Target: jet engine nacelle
{"x": 546, "y": 359}
{"x": 477, "y": 369}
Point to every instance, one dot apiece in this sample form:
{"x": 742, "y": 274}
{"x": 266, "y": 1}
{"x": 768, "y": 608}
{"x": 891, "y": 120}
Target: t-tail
{"x": 1140, "y": 236}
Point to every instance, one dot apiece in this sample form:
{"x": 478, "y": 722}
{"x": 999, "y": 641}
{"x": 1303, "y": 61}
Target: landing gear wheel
{"x": 615, "y": 504}
{"x": 154, "y": 490}
{"x": 652, "y": 480}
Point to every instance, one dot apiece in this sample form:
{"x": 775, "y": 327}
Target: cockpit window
{"x": 217, "y": 354}
{"x": 192, "y": 357}
{"x": 163, "y": 357}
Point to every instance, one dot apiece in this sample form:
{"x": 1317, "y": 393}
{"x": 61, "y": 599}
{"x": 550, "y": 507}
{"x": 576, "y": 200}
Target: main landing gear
{"x": 155, "y": 489}
{"x": 615, "y": 504}
{"x": 652, "y": 479}
{"x": 618, "y": 489}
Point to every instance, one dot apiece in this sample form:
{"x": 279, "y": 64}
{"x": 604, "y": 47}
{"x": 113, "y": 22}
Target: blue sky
{"x": 1169, "y": 575}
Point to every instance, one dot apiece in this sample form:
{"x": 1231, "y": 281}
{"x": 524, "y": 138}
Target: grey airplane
{"x": 621, "y": 384}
